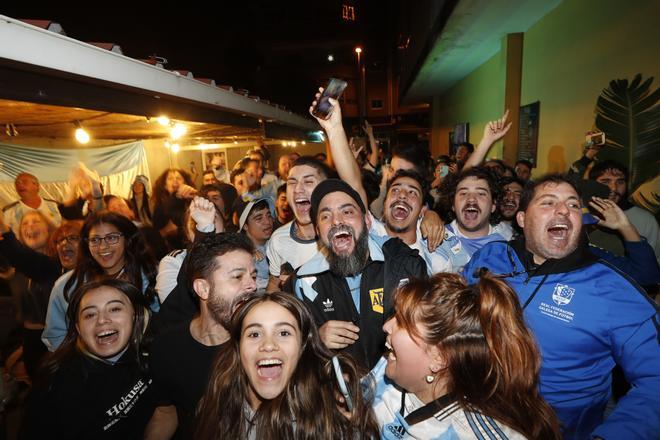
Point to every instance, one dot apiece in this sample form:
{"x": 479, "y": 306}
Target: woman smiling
{"x": 275, "y": 379}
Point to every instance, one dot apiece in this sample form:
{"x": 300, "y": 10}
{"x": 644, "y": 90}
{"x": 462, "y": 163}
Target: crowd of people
{"x": 360, "y": 293}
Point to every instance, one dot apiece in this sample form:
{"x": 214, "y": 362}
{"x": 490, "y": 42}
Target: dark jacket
{"x": 327, "y": 295}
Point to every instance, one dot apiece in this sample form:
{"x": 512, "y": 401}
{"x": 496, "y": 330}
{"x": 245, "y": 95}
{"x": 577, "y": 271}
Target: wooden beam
{"x": 513, "y": 81}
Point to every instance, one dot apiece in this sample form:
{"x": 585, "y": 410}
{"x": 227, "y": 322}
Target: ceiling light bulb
{"x": 163, "y": 120}
{"x": 175, "y": 148}
{"x": 81, "y": 135}
{"x": 236, "y": 142}
{"x": 331, "y": 58}
{"x": 177, "y": 131}
{"x": 294, "y": 143}
{"x": 303, "y": 142}
{"x": 358, "y": 49}
{"x": 167, "y": 144}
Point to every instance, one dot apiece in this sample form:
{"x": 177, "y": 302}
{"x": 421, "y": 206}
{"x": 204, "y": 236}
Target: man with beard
{"x": 348, "y": 286}
{"x": 404, "y": 206}
{"x": 221, "y": 270}
{"x": 512, "y": 188}
{"x": 474, "y": 195}
{"x": 586, "y": 317}
{"x": 615, "y": 176}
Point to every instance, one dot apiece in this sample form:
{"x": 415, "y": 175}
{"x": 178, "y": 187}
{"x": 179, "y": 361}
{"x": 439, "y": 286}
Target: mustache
{"x": 471, "y": 205}
{"x": 401, "y": 202}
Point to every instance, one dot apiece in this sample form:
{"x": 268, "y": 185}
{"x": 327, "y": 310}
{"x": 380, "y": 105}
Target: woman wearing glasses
{"x": 40, "y": 258}
{"x": 111, "y": 247}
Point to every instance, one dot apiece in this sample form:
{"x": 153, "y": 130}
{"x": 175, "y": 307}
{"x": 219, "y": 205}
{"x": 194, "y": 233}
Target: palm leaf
{"x": 629, "y": 115}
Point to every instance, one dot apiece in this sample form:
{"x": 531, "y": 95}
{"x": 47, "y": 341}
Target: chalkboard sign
{"x": 528, "y": 133}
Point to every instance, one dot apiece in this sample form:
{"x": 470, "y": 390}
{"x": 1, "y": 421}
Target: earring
{"x": 429, "y": 379}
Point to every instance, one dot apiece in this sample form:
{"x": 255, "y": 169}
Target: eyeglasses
{"x": 73, "y": 239}
{"x": 110, "y": 239}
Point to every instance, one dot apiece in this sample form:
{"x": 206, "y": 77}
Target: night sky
{"x": 275, "y": 49}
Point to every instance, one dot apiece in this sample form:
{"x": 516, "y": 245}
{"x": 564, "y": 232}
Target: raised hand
{"x": 613, "y": 217}
{"x": 203, "y": 212}
{"x": 495, "y": 130}
{"x": 334, "y": 118}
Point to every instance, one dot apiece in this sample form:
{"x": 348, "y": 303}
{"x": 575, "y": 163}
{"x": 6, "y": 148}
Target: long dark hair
{"x": 137, "y": 258}
{"x": 71, "y": 345}
{"x": 160, "y": 193}
{"x": 492, "y": 362}
{"x": 306, "y": 409}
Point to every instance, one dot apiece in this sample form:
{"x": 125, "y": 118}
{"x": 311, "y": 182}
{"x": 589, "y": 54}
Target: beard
{"x": 353, "y": 263}
{"x": 220, "y": 308}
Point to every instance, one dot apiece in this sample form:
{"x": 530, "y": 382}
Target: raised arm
{"x": 342, "y": 156}
{"x": 494, "y": 131}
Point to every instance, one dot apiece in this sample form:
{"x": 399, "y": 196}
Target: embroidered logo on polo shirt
{"x": 376, "y": 296}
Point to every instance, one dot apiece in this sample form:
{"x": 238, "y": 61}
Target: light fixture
{"x": 163, "y": 120}
{"x": 303, "y": 142}
{"x": 167, "y": 144}
{"x": 235, "y": 142}
{"x": 358, "y": 50}
{"x": 175, "y": 148}
{"x": 331, "y": 58}
{"x": 81, "y": 135}
{"x": 285, "y": 144}
{"x": 177, "y": 131}
{"x": 294, "y": 143}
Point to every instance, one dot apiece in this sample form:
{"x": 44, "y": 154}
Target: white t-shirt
{"x": 14, "y": 212}
{"x": 285, "y": 247}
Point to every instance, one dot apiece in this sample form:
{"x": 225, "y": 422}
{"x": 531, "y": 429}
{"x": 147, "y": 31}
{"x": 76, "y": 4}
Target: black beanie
{"x": 329, "y": 186}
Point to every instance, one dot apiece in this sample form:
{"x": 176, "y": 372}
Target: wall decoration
{"x": 528, "y": 132}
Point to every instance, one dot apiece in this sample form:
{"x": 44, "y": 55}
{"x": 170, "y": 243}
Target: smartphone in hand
{"x": 334, "y": 89}
{"x": 342, "y": 383}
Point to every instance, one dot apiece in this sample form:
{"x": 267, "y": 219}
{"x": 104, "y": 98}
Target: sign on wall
{"x": 528, "y": 132}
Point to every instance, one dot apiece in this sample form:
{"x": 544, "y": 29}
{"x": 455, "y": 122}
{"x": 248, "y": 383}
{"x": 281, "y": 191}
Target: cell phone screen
{"x": 334, "y": 89}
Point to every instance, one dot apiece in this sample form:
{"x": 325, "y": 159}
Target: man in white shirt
{"x": 27, "y": 187}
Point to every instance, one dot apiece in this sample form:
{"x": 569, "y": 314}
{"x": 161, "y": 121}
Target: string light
{"x": 177, "y": 131}
{"x": 81, "y": 135}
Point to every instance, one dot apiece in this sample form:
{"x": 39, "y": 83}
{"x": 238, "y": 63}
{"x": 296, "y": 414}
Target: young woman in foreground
{"x": 95, "y": 385}
{"x": 275, "y": 380}
{"x": 461, "y": 365}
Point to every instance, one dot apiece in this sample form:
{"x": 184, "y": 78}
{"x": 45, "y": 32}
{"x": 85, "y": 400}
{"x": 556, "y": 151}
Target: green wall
{"x": 477, "y": 99}
{"x": 569, "y": 56}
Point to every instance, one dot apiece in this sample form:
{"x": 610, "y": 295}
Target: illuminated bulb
{"x": 236, "y": 142}
{"x": 331, "y": 58}
{"x": 303, "y": 142}
{"x": 163, "y": 120}
{"x": 285, "y": 144}
{"x": 167, "y": 144}
{"x": 175, "y": 148}
{"x": 177, "y": 131}
{"x": 293, "y": 144}
{"x": 81, "y": 135}
{"x": 358, "y": 49}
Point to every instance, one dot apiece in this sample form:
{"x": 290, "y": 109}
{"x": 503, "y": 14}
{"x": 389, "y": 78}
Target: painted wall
{"x": 476, "y": 99}
{"x": 569, "y": 56}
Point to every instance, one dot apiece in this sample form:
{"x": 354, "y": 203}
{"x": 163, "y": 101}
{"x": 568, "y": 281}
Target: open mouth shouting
{"x": 302, "y": 205}
{"x": 559, "y": 231}
{"x": 471, "y": 213}
{"x": 107, "y": 337}
{"x": 400, "y": 210}
{"x": 342, "y": 239}
{"x": 269, "y": 369}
